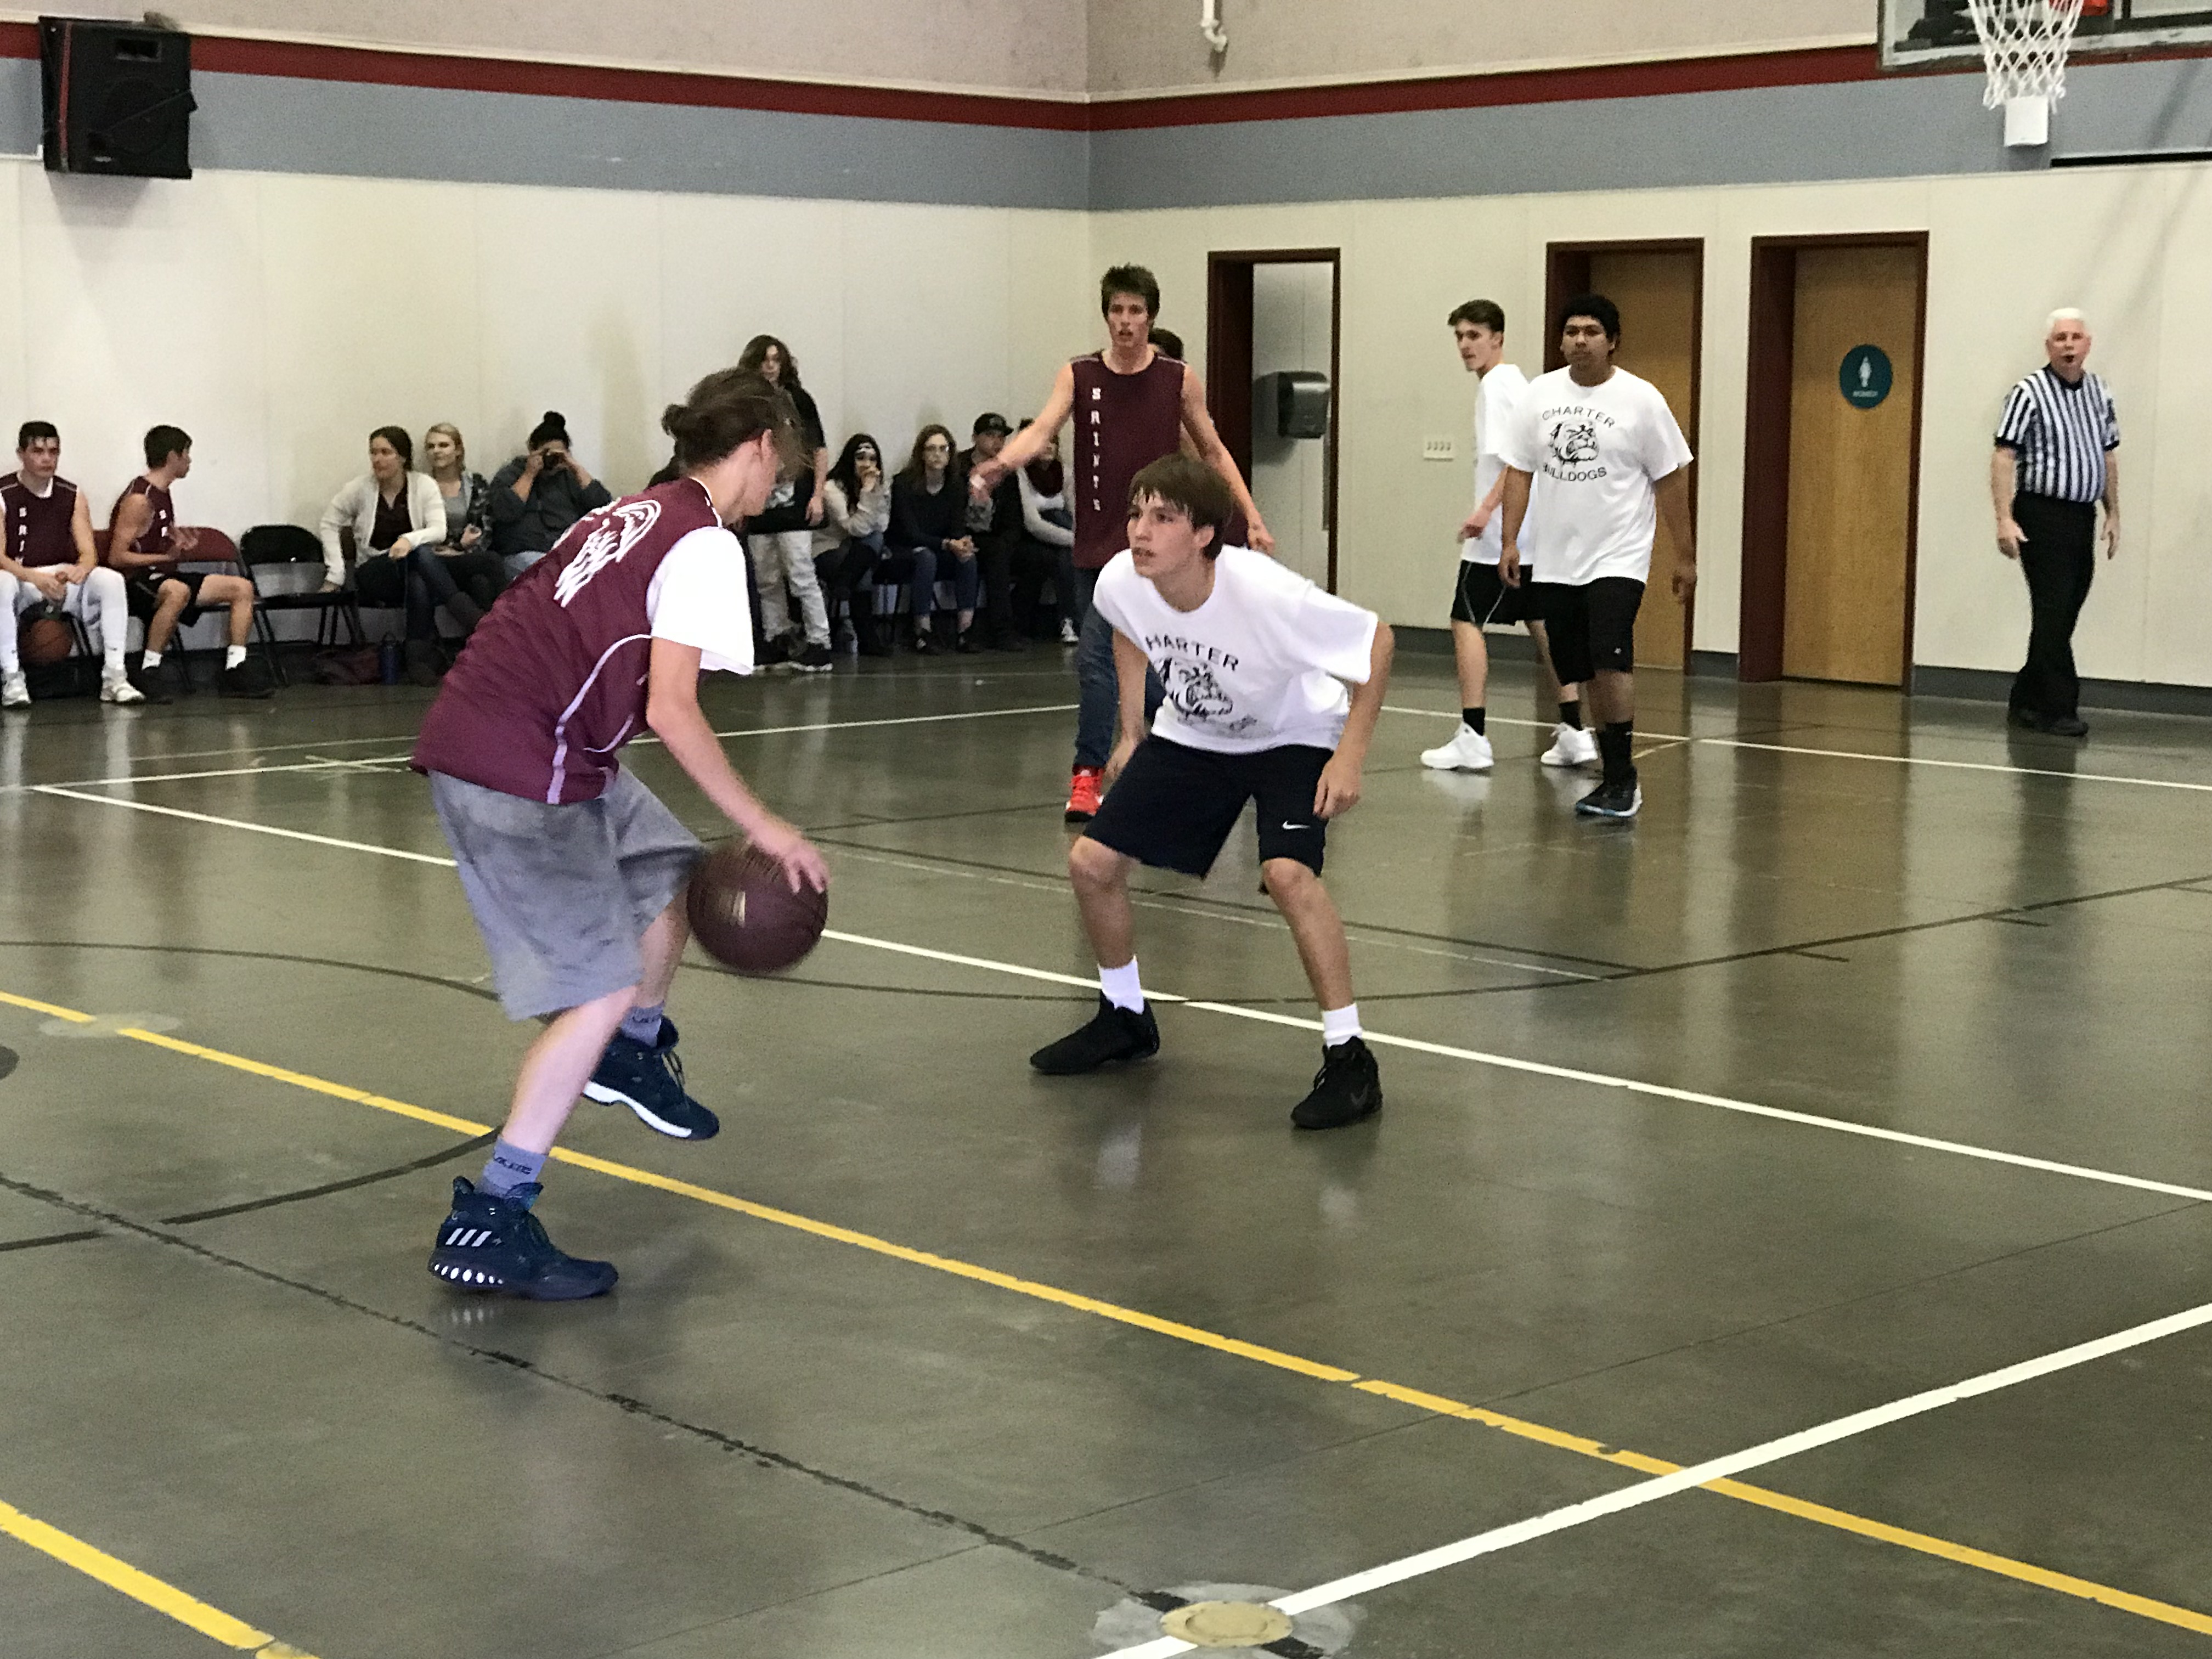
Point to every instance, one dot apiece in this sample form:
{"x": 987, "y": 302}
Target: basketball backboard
{"x": 1935, "y": 33}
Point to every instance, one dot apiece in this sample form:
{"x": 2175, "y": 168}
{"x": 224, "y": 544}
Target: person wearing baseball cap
{"x": 995, "y": 523}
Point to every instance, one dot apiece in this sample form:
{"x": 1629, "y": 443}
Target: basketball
{"x": 744, "y": 913}
{"x": 46, "y": 638}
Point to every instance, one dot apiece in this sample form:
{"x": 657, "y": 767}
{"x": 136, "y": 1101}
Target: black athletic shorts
{"x": 142, "y": 592}
{"x": 1174, "y": 806}
{"x": 1592, "y": 626}
{"x": 1479, "y": 595}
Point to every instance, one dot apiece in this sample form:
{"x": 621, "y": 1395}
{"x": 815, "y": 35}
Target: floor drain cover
{"x": 1226, "y": 1625}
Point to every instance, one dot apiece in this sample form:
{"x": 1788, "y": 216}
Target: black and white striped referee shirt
{"x": 2060, "y": 433}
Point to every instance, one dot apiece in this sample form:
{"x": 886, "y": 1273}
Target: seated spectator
{"x": 1047, "y": 547}
{"x": 929, "y": 535}
{"x": 995, "y": 524}
{"x": 856, "y": 510}
{"x": 49, "y": 559}
{"x": 398, "y": 518}
{"x": 536, "y": 496}
{"x": 466, "y": 554}
{"x": 145, "y": 544}
{"x": 780, "y": 537}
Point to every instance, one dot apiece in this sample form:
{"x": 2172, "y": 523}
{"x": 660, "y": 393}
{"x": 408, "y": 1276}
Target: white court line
{"x": 240, "y": 823}
{"x": 1963, "y": 765}
{"x": 385, "y": 759}
{"x": 1416, "y": 1045}
{"x": 1670, "y": 739}
{"x": 1699, "y": 1475}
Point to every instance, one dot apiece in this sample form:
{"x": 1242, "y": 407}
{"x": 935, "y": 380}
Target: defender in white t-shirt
{"x": 1254, "y": 659}
{"x": 1479, "y": 597}
{"x": 1594, "y": 458}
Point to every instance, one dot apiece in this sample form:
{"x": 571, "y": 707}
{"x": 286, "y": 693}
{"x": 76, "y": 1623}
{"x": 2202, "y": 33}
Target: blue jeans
{"x": 1097, "y": 686}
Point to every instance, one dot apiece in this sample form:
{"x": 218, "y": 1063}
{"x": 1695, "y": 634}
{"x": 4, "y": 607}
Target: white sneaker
{"x": 1571, "y": 745}
{"x": 1468, "y": 752}
{"x": 14, "y": 692}
{"x": 115, "y": 689}
{"x": 1067, "y": 634}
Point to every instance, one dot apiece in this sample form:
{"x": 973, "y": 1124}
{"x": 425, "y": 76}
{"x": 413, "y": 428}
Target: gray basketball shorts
{"x": 563, "y": 894}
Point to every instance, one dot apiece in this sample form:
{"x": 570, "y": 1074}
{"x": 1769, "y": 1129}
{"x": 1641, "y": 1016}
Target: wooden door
{"x": 1657, "y": 291}
{"x": 1847, "y": 571}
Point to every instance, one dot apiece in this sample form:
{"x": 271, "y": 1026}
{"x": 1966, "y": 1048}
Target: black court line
{"x": 52, "y": 1238}
{"x": 1059, "y": 877}
{"x": 475, "y": 1143}
{"x": 437, "y": 980}
{"x": 762, "y": 1455}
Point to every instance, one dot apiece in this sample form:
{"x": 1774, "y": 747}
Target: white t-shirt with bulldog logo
{"x": 1593, "y": 453}
{"x": 1260, "y": 665}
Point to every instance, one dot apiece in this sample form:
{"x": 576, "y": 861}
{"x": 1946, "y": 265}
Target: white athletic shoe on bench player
{"x": 1468, "y": 752}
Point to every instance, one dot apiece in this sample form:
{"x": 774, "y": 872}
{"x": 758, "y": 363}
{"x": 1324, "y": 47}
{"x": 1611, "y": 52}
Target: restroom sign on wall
{"x": 1865, "y": 376}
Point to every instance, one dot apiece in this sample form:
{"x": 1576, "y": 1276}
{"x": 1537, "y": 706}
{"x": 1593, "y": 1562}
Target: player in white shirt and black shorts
{"x": 1254, "y": 660}
{"x": 1595, "y": 457}
{"x": 1479, "y": 598}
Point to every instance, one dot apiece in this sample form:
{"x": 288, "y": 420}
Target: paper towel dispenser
{"x": 1293, "y": 404}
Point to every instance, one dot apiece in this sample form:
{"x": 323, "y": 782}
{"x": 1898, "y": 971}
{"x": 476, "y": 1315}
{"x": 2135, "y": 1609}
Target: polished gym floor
{"x": 1870, "y": 1062}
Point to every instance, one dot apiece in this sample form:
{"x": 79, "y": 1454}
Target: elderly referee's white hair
{"x": 2064, "y": 315}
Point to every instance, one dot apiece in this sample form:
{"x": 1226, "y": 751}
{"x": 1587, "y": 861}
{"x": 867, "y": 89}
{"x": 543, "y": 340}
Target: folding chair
{"x": 280, "y": 550}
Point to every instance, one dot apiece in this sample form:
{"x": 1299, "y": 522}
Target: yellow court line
{"x": 143, "y": 1587}
{"x": 1781, "y": 1503}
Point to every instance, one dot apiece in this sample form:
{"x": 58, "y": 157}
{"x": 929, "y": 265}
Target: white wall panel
{"x": 2129, "y": 245}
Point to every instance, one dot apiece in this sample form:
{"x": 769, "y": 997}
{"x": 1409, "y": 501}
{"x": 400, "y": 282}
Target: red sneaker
{"x": 1083, "y": 794}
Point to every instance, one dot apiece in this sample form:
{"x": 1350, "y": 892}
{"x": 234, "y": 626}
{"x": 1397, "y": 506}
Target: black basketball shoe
{"x": 649, "y": 1078}
{"x": 1346, "y": 1090}
{"x": 1611, "y": 800}
{"x": 495, "y": 1246}
{"x": 1113, "y": 1033}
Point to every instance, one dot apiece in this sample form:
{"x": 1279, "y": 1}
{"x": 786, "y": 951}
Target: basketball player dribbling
{"x": 574, "y": 872}
{"x": 1132, "y": 405}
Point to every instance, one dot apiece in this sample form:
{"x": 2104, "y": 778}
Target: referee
{"x": 2057, "y": 455}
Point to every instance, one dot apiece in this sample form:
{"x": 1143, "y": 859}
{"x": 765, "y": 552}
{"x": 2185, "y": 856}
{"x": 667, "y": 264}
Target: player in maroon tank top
{"x": 575, "y": 874}
{"x": 1131, "y": 405}
{"x": 145, "y": 543}
{"x": 48, "y": 557}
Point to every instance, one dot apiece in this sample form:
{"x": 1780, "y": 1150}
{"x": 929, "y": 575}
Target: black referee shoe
{"x": 1113, "y": 1033}
{"x": 1347, "y": 1089}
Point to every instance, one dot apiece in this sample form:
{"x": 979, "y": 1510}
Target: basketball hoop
{"x": 2024, "y": 44}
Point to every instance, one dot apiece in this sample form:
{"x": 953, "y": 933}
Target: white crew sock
{"x": 1337, "y": 1024}
{"x": 233, "y": 656}
{"x": 1121, "y": 987}
{"x": 153, "y": 661}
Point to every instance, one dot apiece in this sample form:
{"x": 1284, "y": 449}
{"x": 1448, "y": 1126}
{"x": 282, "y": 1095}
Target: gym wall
{"x": 2133, "y": 257}
{"x": 369, "y": 241}
{"x": 1146, "y": 46}
{"x": 1034, "y": 47}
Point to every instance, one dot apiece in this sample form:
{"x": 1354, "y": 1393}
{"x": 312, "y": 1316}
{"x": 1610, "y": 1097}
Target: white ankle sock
{"x": 233, "y": 656}
{"x": 1121, "y": 987}
{"x": 1337, "y": 1024}
{"x": 153, "y": 661}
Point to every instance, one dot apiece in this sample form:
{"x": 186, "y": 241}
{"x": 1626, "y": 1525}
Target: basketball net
{"x": 2024, "y": 45}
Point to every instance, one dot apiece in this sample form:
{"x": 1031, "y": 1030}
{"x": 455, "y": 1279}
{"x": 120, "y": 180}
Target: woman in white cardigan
{"x": 398, "y": 517}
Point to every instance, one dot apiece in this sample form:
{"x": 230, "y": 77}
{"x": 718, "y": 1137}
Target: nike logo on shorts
{"x": 1298, "y": 826}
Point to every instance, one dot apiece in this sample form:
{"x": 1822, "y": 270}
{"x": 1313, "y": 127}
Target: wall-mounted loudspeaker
{"x": 117, "y": 98}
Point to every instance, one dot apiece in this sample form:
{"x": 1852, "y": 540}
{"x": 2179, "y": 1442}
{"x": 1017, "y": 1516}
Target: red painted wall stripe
{"x": 309, "y": 61}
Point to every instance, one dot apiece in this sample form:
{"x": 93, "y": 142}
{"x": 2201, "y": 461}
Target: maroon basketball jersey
{"x": 39, "y": 525}
{"x": 159, "y": 537}
{"x": 1124, "y": 423}
{"x": 553, "y": 681}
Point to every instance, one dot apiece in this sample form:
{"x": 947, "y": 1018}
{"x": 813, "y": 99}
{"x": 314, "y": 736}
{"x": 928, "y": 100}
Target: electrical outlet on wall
{"x": 1439, "y": 449}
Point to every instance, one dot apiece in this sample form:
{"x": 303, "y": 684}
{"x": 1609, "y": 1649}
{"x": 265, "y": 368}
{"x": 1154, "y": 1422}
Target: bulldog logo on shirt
{"x": 614, "y": 531}
{"x": 1574, "y": 443}
{"x": 1197, "y": 695}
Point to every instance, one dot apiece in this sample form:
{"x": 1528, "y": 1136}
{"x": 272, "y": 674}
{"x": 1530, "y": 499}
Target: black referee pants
{"x": 2059, "y": 559}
